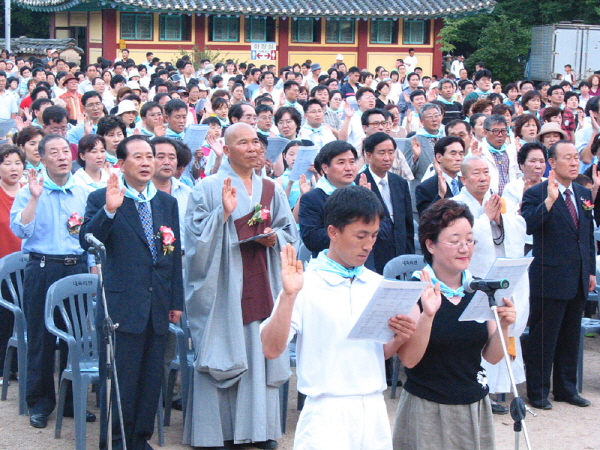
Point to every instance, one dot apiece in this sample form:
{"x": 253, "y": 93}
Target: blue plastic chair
{"x": 12, "y": 272}
{"x": 73, "y": 297}
{"x": 401, "y": 268}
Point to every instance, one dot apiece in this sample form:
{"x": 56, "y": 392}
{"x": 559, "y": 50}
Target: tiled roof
{"x": 281, "y": 8}
{"x": 32, "y": 46}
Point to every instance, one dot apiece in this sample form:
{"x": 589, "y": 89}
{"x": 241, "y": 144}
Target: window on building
{"x": 175, "y": 27}
{"x": 416, "y": 32}
{"x": 260, "y": 29}
{"x": 306, "y": 29}
{"x": 340, "y": 31}
{"x": 384, "y": 31}
{"x": 224, "y": 28}
{"x": 136, "y": 27}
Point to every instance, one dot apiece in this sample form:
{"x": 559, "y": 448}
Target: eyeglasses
{"x": 94, "y": 105}
{"x": 58, "y": 130}
{"x": 286, "y": 122}
{"x": 432, "y": 116}
{"x": 459, "y": 244}
{"x": 377, "y": 124}
{"x": 498, "y": 131}
{"x": 367, "y": 97}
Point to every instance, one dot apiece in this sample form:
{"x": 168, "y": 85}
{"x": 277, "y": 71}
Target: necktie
{"x": 571, "y": 207}
{"x": 454, "y": 186}
{"x": 146, "y": 219}
{"x": 385, "y": 194}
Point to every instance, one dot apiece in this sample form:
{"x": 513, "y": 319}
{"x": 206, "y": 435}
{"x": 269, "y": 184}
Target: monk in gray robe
{"x": 230, "y": 287}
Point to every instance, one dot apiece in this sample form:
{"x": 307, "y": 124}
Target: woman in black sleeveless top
{"x": 445, "y": 403}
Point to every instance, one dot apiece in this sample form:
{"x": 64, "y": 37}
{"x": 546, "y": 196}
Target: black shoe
{"x": 541, "y": 404}
{"x": 268, "y": 445}
{"x": 38, "y": 420}
{"x": 497, "y": 408}
{"x": 177, "y": 404}
{"x": 89, "y": 416}
{"x": 575, "y": 400}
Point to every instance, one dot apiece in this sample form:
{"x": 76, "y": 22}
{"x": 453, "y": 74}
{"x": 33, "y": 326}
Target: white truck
{"x": 554, "y": 46}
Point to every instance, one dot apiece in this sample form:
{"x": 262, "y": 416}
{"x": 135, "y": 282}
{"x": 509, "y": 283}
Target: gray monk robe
{"x": 235, "y": 393}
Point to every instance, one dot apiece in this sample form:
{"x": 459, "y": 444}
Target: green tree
{"x": 501, "y": 37}
{"x": 24, "y": 22}
{"x": 501, "y": 51}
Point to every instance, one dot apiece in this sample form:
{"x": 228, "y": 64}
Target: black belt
{"x": 67, "y": 260}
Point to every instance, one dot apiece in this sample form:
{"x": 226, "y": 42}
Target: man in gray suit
{"x": 419, "y": 150}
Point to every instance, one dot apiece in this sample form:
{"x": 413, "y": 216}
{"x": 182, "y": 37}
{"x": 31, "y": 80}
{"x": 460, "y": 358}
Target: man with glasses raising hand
{"x": 94, "y": 111}
{"x": 500, "y": 155}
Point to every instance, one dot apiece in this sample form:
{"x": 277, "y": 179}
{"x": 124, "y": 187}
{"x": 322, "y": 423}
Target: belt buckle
{"x": 70, "y": 261}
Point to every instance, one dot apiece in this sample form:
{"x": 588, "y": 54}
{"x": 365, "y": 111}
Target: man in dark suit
{"x": 561, "y": 275}
{"x": 336, "y": 162}
{"x": 449, "y": 153}
{"x": 143, "y": 284}
{"x": 396, "y": 230}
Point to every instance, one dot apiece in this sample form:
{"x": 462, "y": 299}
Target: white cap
{"x": 340, "y": 57}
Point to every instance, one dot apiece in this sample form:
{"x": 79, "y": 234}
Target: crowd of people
{"x": 459, "y": 168}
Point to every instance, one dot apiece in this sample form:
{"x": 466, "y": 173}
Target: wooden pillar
{"x": 110, "y": 35}
{"x": 437, "y": 48}
{"x": 362, "y": 38}
{"x": 283, "y": 49}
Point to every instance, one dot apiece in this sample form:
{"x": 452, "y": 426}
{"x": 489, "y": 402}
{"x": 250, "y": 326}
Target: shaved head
{"x": 232, "y": 130}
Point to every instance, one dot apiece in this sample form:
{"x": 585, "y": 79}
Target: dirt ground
{"x": 565, "y": 427}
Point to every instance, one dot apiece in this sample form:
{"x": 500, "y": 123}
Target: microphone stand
{"x": 109, "y": 328}
{"x": 518, "y": 410}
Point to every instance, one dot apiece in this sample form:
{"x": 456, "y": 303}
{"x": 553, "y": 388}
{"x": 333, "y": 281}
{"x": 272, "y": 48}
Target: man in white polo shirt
{"x": 344, "y": 408}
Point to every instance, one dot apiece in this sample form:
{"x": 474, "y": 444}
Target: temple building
{"x": 368, "y": 33}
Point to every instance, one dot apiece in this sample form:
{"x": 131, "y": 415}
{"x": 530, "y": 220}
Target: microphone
{"x": 472, "y": 285}
{"x": 89, "y": 237}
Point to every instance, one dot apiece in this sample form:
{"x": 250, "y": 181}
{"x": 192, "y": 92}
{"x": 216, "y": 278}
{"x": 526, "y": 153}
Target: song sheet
{"x": 194, "y": 136}
{"x": 275, "y": 147}
{"x": 392, "y": 297}
{"x": 304, "y": 159}
{"x": 511, "y": 269}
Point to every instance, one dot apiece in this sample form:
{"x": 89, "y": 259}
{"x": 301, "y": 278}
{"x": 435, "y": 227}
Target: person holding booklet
{"x": 446, "y": 388}
{"x": 235, "y": 393}
{"x": 344, "y": 408}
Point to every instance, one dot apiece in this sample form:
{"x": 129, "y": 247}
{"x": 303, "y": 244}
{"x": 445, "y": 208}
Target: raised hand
{"x": 160, "y": 129}
{"x": 229, "y": 197}
{"x": 431, "y": 298}
{"x": 363, "y": 181}
{"x": 20, "y": 123}
{"x": 442, "y": 185}
{"x": 348, "y": 110}
{"x": 304, "y": 185}
{"x": 35, "y": 186}
{"x": 215, "y": 144}
{"x": 292, "y": 272}
{"x": 114, "y": 193}
{"x": 28, "y": 114}
{"x": 416, "y": 148}
{"x": 552, "y": 188}
{"x": 596, "y": 179}
{"x": 475, "y": 147}
{"x": 87, "y": 125}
